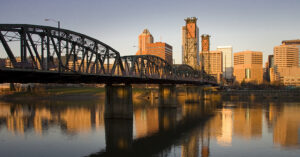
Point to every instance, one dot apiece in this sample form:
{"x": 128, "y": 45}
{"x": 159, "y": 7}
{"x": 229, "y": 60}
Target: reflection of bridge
{"x": 49, "y": 54}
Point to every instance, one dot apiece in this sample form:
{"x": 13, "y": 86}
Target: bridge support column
{"x": 118, "y": 101}
{"x": 167, "y": 96}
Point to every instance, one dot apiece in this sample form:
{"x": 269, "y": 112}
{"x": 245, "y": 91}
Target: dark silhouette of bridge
{"x": 42, "y": 54}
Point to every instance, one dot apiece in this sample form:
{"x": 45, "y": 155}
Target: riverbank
{"x": 266, "y": 95}
{"x": 55, "y": 94}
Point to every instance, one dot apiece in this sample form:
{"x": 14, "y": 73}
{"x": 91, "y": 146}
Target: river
{"x": 209, "y": 128}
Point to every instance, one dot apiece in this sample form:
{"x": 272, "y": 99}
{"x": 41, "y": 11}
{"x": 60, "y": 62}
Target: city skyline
{"x": 255, "y": 25}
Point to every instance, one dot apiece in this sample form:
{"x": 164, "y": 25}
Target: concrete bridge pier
{"x": 118, "y": 101}
{"x": 167, "y": 96}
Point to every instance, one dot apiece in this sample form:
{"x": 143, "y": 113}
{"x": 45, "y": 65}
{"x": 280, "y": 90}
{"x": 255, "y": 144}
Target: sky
{"x": 256, "y": 25}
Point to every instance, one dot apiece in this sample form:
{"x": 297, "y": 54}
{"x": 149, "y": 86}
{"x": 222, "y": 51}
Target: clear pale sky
{"x": 257, "y": 25}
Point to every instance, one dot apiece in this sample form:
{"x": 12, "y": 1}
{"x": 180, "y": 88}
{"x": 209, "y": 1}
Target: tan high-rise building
{"x": 160, "y": 49}
{"x": 190, "y": 43}
{"x": 286, "y": 70}
{"x": 286, "y": 56}
{"x": 248, "y": 66}
{"x": 294, "y": 43}
{"x": 213, "y": 63}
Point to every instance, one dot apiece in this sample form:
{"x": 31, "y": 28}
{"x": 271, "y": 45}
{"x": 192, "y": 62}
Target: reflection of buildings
{"x": 19, "y": 118}
{"x": 146, "y": 121}
{"x": 247, "y": 122}
{"x": 225, "y": 138}
{"x": 221, "y": 127}
{"x": 286, "y": 131}
{"x": 190, "y": 146}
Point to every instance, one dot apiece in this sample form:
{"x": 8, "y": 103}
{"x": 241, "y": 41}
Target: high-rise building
{"x": 205, "y": 47}
{"x": 286, "y": 70}
{"x": 268, "y": 66}
{"x": 190, "y": 43}
{"x": 160, "y": 49}
{"x": 295, "y": 43}
{"x": 213, "y": 63}
{"x": 227, "y": 61}
{"x": 248, "y": 66}
{"x": 286, "y": 56}
{"x": 144, "y": 39}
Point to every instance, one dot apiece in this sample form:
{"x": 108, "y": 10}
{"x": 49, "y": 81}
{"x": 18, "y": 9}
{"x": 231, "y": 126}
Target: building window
{"x": 247, "y": 73}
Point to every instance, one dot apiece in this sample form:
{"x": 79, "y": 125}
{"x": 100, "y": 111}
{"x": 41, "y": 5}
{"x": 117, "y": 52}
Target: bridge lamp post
{"x": 59, "y": 44}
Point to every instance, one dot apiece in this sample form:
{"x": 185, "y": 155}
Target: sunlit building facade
{"x": 227, "y": 58}
{"x": 159, "y": 49}
{"x": 286, "y": 70}
{"x": 248, "y": 67}
{"x": 213, "y": 63}
{"x": 293, "y": 43}
{"x": 190, "y": 43}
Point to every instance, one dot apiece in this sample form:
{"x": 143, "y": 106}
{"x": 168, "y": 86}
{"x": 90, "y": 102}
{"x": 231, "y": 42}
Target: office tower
{"x": 294, "y": 43}
{"x": 286, "y": 69}
{"x": 213, "y": 63}
{"x": 227, "y": 61}
{"x": 159, "y": 49}
{"x": 205, "y": 47}
{"x": 144, "y": 39}
{"x": 162, "y": 50}
{"x": 286, "y": 56}
{"x": 190, "y": 43}
{"x": 248, "y": 66}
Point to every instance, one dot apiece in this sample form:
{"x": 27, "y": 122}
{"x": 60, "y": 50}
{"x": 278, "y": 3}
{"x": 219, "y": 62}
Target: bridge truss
{"x": 36, "y": 53}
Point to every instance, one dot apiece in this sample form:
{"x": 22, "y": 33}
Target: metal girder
{"x": 69, "y": 52}
{"x": 86, "y": 53}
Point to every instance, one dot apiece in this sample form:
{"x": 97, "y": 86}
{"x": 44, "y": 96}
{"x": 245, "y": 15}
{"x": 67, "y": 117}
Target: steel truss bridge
{"x": 42, "y": 54}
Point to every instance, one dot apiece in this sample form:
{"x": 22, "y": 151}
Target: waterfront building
{"x": 294, "y": 43}
{"x": 160, "y": 49}
{"x": 213, "y": 63}
{"x": 190, "y": 43}
{"x": 286, "y": 56}
{"x": 227, "y": 61}
{"x": 248, "y": 66}
{"x": 286, "y": 70}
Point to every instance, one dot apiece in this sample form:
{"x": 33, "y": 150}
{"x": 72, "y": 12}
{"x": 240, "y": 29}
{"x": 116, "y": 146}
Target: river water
{"x": 210, "y": 128}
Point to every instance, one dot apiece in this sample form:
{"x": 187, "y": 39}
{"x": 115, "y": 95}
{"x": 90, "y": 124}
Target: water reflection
{"x": 72, "y": 119}
{"x": 195, "y": 128}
